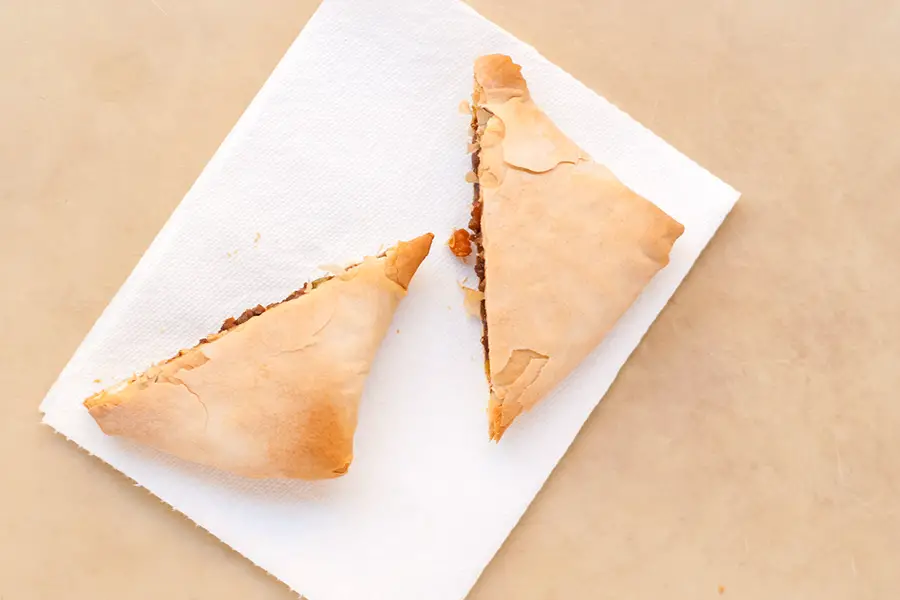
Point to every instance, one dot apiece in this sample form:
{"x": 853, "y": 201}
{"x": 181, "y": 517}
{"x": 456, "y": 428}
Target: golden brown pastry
{"x": 275, "y": 393}
{"x": 563, "y": 247}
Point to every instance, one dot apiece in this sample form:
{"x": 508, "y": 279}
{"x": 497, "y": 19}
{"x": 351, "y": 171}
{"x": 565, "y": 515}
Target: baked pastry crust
{"x": 567, "y": 248}
{"x": 275, "y": 396}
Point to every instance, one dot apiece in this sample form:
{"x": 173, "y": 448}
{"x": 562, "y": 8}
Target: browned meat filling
{"x": 245, "y": 316}
{"x": 475, "y": 227}
{"x": 232, "y": 322}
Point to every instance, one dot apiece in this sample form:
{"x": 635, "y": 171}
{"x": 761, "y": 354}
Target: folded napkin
{"x": 355, "y": 141}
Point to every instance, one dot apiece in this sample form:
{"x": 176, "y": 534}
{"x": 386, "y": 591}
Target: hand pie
{"x": 563, "y": 248}
{"x": 275, "y": 393}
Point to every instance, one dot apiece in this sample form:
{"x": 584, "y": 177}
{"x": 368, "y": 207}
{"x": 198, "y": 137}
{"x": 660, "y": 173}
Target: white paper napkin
{"x": 354, "y": 142}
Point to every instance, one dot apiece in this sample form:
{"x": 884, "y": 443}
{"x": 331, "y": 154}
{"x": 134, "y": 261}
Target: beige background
{"x": 753, "y": 440}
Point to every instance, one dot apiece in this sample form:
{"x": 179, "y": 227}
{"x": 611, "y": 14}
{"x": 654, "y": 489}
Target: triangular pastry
{"x": 275, "y": 393}
{"x": 563, "y": 248}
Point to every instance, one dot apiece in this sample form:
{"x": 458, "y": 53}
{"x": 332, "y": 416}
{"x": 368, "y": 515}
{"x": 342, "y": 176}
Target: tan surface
{"x": 752, "y": 442}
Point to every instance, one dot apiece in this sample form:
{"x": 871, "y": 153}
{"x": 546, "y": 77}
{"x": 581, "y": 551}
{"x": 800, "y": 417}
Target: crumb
{"x": 460, "y": 243}
{"x": 256, "y": 238}
{"x": 472, "y": 300}
{"x": 398, "y": 331}
{"x": 464, "y": 107}
{"x": 721, "y": 589}
{"x": 96, "y": 381}
{"x": 471, "y": 177}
